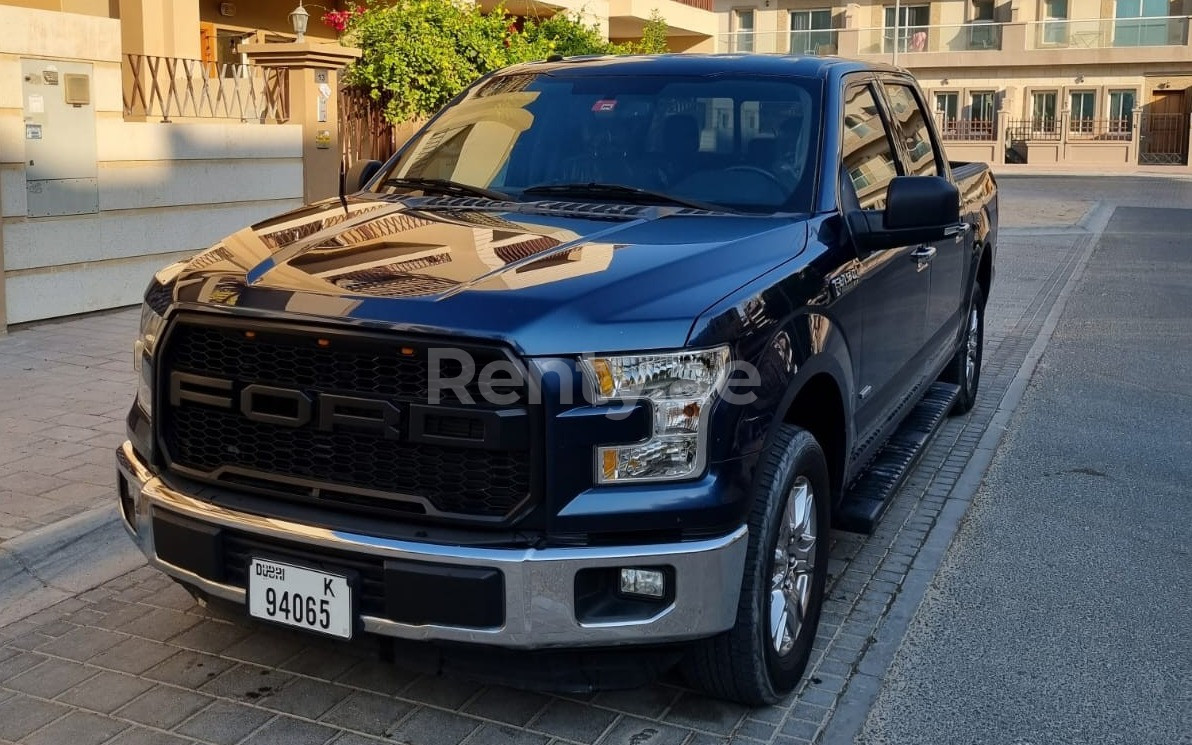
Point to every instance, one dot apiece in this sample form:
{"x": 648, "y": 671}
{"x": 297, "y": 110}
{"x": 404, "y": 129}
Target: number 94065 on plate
{"x": 301, "y": 597}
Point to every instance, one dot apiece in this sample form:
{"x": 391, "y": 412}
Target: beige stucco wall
{"x": 165, "y": 190}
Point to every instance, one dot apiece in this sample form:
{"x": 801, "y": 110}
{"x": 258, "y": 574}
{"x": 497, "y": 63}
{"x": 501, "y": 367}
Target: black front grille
{"x": 420, "y": 472}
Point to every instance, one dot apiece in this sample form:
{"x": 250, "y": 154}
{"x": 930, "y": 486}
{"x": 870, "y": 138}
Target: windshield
{"x": 740, "y": 142}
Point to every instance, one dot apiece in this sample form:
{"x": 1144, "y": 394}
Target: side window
{"x": 868, "y": 159}
{"x": 912, "y": 123}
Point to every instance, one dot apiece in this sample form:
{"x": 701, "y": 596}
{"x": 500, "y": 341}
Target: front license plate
{"x": 297, "y": 596}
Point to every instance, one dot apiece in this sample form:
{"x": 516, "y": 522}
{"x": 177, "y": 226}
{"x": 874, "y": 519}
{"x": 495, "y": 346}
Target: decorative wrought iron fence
{"x": 171, "y": 87}
{"x": 1034, "y": 130}
{"x": 968, "y": 129}
{"x": 1101, "y": 129}
{"x": 364, "y": 131}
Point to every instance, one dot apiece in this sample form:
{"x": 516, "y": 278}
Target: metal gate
{"x": 1164, "y": 139}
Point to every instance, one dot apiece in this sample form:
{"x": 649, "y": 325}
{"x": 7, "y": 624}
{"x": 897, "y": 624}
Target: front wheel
{"x": 965, "y": 367}
{"x": 763, "y": 656}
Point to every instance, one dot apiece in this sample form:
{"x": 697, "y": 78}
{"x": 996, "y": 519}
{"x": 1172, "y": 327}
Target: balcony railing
{"x": 1105, "y": 33}
{"x": 174, "y": 88}
{"x": 966, "y": 37}
{"x": 802, "y": 42}
{"x": 701, "y": 4}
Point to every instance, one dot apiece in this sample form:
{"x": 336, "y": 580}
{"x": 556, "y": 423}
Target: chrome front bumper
{"x": 539, "y": 583}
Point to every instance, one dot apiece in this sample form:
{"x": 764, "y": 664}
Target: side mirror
{"x": 360, "y": 174}
{"x": 919, "y": 209}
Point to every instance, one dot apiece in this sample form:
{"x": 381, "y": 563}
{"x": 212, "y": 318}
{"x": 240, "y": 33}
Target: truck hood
{"x": 547, "y": 278}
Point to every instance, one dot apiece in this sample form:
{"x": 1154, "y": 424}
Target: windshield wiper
{"x": 445, "y": 186}
{"x": 616, "y": 191}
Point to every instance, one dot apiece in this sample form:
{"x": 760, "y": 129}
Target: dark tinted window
{"x": 909, "y": 115}
{"x": 868, "y": 159}
{"x": 740, "y": 142}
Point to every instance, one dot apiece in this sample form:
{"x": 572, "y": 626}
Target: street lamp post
{"x": 897, "y": 13}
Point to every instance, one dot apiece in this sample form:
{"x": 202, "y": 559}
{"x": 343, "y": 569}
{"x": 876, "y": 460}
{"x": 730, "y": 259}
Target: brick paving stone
{"x": 246, "y": 683}
{"x": 634, "y": 731}
{"x": 188, "y": 669}
{"x": 290, "y": 731}
{"x": 210, "y": 635}
{"x": 133, "y": 655}
{"x": 321, "y": 661}
{"x": 370, "y": 713}
{"x": 21, "y": 715}
{"x": 497, "y": 734}
{"x": 77, "y": 728}
{"x": 163, "y": 707}
{"x": 572, "y": 721}
{"x": 306, "y": 697}
{"x": 223, "y": 723}
{"x": 506, "y": 705}
{"x": 50, "y": 679}
{"x": 650, "y": 702}
{"x": 351, "y": 738}
{"x": 378, "y": 676}
{"x": 105, "y": 692}
{"x": 143, "y": 736}
{"x": 448, "y": 693}
{"x": 82, "y": 643}
{"x": 704, "y": 713}
{"x": 434, "y": 727}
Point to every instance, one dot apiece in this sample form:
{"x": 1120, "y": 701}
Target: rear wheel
{"x": 965, "y": 367}
{"x": 763, "y": 656}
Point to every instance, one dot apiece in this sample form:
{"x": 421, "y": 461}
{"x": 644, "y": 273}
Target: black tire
{"x": 958, "y": 370}
{"x": 743, "y": 664}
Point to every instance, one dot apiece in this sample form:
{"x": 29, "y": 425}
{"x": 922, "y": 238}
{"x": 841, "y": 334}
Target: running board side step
{"x": 870, "y": 493}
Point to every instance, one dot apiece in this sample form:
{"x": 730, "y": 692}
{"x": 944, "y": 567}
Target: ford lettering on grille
{"x": 288, "y": 407}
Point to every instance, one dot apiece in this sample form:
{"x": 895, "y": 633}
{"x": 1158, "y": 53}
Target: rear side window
{"x": 868, "y": 159}
{"x": 912, "y": 123}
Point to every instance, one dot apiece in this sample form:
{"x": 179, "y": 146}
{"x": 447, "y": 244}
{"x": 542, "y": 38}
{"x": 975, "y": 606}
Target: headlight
{"x": 680, "y": 387}
{"x": 142, "y": 355}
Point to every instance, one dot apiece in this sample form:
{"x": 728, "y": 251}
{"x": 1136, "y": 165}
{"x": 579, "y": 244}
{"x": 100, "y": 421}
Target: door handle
{"x": 957, "y": 230}
{"x": 923, "y": 253}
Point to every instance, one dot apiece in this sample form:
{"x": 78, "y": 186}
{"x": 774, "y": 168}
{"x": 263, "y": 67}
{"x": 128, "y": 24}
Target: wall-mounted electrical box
{"x": 60, "y": 145}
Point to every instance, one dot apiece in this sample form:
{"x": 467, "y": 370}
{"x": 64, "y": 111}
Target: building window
{"x": 982, "y": 123}
{"x": 911, "y": 30}
{"x": 1121, "y": 112}
{"x": 1140, "y": 23}
{"x": 981, "y": 10}
{"x": 947, "y": 109}
{"x": 811, "y": 32}
{"x": 1043, "y": 111}
{"x": 1055, "y": 26}
{"x": 1082, "y": 109}
{"x": 743, "y": 30}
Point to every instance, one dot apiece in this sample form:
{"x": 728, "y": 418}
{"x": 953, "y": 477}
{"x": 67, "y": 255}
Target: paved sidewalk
{"x": 1060, "y": 613}
{"x": 65, "y": 387}
{"x": 135, "y": 660}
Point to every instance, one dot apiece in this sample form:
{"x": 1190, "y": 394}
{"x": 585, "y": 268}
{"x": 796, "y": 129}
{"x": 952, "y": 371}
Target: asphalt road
{"x": 1063, "y": 610}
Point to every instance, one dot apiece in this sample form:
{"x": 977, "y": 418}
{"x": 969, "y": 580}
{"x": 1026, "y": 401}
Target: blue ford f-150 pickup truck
{"x": 581, "y": 378}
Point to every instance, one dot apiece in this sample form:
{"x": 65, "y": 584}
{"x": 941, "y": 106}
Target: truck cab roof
{"x": 709, "y": 65}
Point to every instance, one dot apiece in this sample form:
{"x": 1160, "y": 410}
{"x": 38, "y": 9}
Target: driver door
{"x": 895, "y": 284}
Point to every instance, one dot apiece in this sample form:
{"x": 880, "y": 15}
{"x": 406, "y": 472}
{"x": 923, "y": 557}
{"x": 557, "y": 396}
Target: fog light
{"x": 646, "y": 583}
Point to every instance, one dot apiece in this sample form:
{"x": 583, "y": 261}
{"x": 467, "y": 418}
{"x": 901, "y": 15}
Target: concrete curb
{"x": 854, "y": 705}
{"x": 50, "y": 564}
